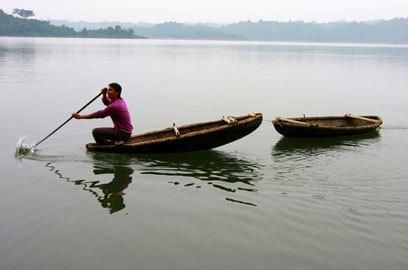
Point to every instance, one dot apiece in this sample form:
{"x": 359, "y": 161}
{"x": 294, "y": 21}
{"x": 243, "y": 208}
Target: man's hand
{"x": 105, "y": 98}
{"x": 76, "y": 115}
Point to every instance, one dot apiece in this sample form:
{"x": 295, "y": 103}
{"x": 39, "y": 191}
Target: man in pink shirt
{"x": 115, "y": 108}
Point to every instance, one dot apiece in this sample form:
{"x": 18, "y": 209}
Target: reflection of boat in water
{"x": 227, "y": 172}
{"x": 297, "y": 161}
{"x": 223, "y": 171}
{"x": 285, "y": 144}
{"x": 214, "y": 166}
{"x": 299, "y": 149}
{"x": 230, "y": 173}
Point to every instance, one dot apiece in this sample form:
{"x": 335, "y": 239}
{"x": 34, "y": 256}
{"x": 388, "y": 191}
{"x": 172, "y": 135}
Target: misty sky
{"x": 217, "y": 11}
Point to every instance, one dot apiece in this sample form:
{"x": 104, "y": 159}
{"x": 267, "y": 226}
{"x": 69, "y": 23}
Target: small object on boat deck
{"x": 199, "y": 136}
{"x": 230, "y": 119}
{"x": 326, "y": 126}
{"x": 176, "y": 130}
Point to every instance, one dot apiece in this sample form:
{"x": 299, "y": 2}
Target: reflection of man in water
{"x": 113, "y": 191}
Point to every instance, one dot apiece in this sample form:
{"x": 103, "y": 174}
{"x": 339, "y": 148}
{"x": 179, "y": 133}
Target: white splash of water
{"x": 23, "y": 148}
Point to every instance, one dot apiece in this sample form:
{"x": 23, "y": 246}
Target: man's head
{"x": 116, "y": 87}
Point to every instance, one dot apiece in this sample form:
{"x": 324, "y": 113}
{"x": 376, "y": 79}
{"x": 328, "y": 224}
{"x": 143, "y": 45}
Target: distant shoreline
{"x": 19, "y": 27}
{"x": 258, "y": 42}
{"x": 380, "y": 31}
{"x": 392, "y": 31}
{"x": 20, "y": 36}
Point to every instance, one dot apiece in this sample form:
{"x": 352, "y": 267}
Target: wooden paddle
{"x": 293, "y": 121}
{"x": 361, "y": 118}
{"x": 86, "y": 105}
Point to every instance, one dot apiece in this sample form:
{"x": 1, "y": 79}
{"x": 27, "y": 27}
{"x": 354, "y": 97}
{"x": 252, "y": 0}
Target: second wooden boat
{"x": 326, "y": 126}
{"x": 193, "y": 137}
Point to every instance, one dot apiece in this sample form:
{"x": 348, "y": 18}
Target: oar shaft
{"x": 92, "y": 100}
{"x": 86, "y": 105}
{"x": 52, "y": 133}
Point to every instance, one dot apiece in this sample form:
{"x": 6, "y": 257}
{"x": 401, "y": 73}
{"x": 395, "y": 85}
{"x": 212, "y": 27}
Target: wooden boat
{"x": 327, "y": 126}
{"x": 200, "y": 136}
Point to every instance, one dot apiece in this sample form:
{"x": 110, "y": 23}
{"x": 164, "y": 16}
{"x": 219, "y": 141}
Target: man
{"x": 117, "y": 110}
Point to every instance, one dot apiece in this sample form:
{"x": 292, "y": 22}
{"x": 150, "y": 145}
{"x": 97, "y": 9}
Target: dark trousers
{"x": 102, "y": 135}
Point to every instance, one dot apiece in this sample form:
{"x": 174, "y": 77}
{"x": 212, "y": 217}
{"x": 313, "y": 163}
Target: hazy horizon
{"x": 210, "y": 11}
{"x": 214, "y": 23}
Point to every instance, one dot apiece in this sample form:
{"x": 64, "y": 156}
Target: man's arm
{"x": 85, "y": 116}
{"x": 105, "y": 101}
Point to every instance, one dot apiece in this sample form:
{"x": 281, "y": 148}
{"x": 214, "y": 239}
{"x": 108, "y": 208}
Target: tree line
{"x": 14, "y": 26}
{"x": 382, "y": 31}
{"x": 387, "y": 31}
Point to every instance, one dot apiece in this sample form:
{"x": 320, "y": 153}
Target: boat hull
{"x": 219, "y": 134}
{"x": 330, "y": 126}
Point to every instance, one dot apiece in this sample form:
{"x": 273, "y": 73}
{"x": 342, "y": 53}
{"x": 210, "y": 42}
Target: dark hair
{"x": 116, "y": 87}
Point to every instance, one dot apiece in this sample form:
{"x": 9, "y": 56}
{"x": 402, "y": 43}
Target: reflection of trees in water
{"x": 18, "y": 53}
{"x": 296, "y": 157}
{"x": 111, "y": 196}
{"x": 22, "y": 56}
{"x": 223, "y": 171}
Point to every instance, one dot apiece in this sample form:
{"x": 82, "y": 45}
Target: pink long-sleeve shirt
{"x": 118, "y": 112}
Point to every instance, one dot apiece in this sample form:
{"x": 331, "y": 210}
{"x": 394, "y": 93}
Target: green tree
{"x": 23, "y": 13}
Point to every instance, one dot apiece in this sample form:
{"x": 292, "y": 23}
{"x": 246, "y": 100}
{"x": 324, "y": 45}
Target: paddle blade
{"x": 23, "y": 148}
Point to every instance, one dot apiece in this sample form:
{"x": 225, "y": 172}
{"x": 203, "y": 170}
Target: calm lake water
{"x": 262, "y": 202}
